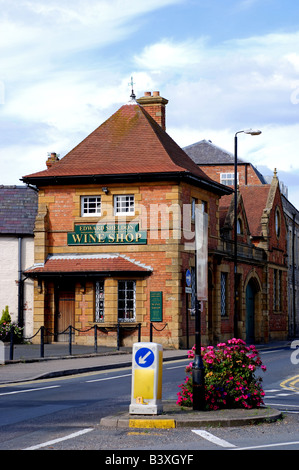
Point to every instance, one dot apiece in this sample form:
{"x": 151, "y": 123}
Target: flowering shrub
{"x": 5, "y": 329}
{"x": 230, "y": 380}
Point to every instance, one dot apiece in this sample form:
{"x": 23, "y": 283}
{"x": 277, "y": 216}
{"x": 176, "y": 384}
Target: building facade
{"x": 114, "y": 232}
{"x": 262, "y": 249}
{"x": 292, "y": 221}
{"x": 18, "y": 208}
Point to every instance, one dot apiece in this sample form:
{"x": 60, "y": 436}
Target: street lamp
{"x": 250, "y": 132}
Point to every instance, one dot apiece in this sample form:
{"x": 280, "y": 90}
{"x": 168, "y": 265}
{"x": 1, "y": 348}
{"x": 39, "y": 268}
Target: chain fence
{"x": 44, "y": 334}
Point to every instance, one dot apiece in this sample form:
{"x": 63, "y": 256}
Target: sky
{"x": 224, "y": 66}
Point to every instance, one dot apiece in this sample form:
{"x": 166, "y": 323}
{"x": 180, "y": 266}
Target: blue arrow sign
{"x": 144, "y": 357}
{"x": 188, "y": 278}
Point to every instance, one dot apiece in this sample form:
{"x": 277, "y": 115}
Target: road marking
{"x": 176, "y": 367}
{"x": 109, "y": 378}
{"x": 268, "y": 445}
{"x": 29, "y": 390}
{"x": 210, "y": 437}
{"x": 152, "y": 423}
{"x": 269, "y": 352}
{"x": 284, "y": 404}
{"x": 291, "y": 384}
{"x": 60, "y": 439}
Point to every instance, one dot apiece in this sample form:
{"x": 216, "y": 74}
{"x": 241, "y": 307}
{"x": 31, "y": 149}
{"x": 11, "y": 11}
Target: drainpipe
{"x": 293, "y": 276}
{"x": 20, "y": 286}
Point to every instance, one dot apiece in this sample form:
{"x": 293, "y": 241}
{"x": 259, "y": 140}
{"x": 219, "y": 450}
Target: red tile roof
{"x": 88, "y": 264}
{"x": 255, "y": 201}
{"x": 129, "y": 142}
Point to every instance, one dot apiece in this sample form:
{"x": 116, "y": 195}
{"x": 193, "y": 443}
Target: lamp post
{"x": 250, "y": 132}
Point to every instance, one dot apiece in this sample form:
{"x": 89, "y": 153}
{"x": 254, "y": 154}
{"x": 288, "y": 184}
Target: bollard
{"x": 42, "y": 341}
{"x": 70, "y": 340}
{"x": 95, "y": 339}
{"x": 11, "y": 345}
{"x": 147, "y": 368}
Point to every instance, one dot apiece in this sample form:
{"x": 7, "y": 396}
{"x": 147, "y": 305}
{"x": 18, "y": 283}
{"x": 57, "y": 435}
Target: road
{"x": 64, "y": 413}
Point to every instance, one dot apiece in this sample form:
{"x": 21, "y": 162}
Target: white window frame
{"x": 86, "y": 205}
{"x": 129, "y": 312}
{"x": 228, "y": 179}
{"x": 99, "y": 301}
{"x": 124, "y": 204}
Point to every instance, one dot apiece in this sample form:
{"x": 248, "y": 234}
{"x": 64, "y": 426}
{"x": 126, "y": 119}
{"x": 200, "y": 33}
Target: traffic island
{"x": 174, "y": 416}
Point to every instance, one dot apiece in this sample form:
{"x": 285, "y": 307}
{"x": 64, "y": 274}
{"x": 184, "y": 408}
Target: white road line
{"x": 55, "y": 441}
{"x": 109, "y": 378}
{"x": 269, "y": 352}
{"x": 278, "y": 444}
{"x": 176, "y": 367}
{"x": 29, "y": 390}
{"x": 210, "y": 437}
{"x": 285, "y": 404}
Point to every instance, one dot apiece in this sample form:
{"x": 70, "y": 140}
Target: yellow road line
{"x": 152, "y": 423}
{"x": 291, "y": 384}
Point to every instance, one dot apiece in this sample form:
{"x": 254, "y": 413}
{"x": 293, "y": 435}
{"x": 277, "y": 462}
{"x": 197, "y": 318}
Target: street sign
{"x": 144, "y": 357}
{"x": 188, "y": 278}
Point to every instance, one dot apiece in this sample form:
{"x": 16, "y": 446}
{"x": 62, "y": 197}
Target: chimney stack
{"x": 52, "y": 158}
{"x": 155, "y": 106}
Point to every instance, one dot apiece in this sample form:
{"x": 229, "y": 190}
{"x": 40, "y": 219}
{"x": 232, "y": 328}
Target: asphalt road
{"x": 64, "y": 414}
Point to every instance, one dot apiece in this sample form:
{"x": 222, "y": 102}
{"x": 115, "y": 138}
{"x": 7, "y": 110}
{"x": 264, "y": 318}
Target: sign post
{"x": 201, "y": 257}
{"x": 146, "y": 393}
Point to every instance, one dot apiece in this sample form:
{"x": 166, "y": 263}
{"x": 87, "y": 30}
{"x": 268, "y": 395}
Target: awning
{"x": 88, "y": 264}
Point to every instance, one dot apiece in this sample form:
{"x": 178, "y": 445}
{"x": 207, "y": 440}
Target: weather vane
{"x": 133, "y": 96}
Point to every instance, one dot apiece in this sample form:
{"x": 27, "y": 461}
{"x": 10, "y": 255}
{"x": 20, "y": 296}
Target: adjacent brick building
{"x": 262, "y": 244}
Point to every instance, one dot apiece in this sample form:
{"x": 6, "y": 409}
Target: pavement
{"x": 27, "y": 365}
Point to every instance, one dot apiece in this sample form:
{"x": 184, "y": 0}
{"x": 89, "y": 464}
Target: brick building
{"x": 114, "y": 238}
{"x": 262, "y": 290}
{"x": 115, "y": 216}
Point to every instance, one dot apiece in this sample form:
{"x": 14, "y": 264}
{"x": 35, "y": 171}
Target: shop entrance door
{"x": 66, "y": 313}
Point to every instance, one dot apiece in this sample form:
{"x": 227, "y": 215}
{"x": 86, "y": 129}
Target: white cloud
{"x": 167, "y": 54}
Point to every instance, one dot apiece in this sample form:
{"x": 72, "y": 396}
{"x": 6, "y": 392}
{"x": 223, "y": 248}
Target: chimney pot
{"x": 147, "y": 93}
{"x": 156, "y": 93}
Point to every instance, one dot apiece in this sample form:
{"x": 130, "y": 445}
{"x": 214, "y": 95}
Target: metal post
{"x": 235, "y": 237}
{"x": 118, "y": 334}
{"x": 151, "y": 332}
{"x": 70, "y": 340}
{"x": 42, "y": 341}
{"x": 139, "y": 332}
{"x": 95, "y": 339}
{"x": 11, "y": 346}
{"x": 198, "y": 378}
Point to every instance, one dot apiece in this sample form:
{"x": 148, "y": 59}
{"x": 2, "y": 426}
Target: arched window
{"x": 239, "y": 226}
{"x": 277, "y": 222}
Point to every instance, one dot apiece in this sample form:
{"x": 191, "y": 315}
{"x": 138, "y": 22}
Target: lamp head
{"x": 252, "y": 131}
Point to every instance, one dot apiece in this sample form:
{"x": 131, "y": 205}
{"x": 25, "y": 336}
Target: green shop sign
{"x": 107, "y": 234}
